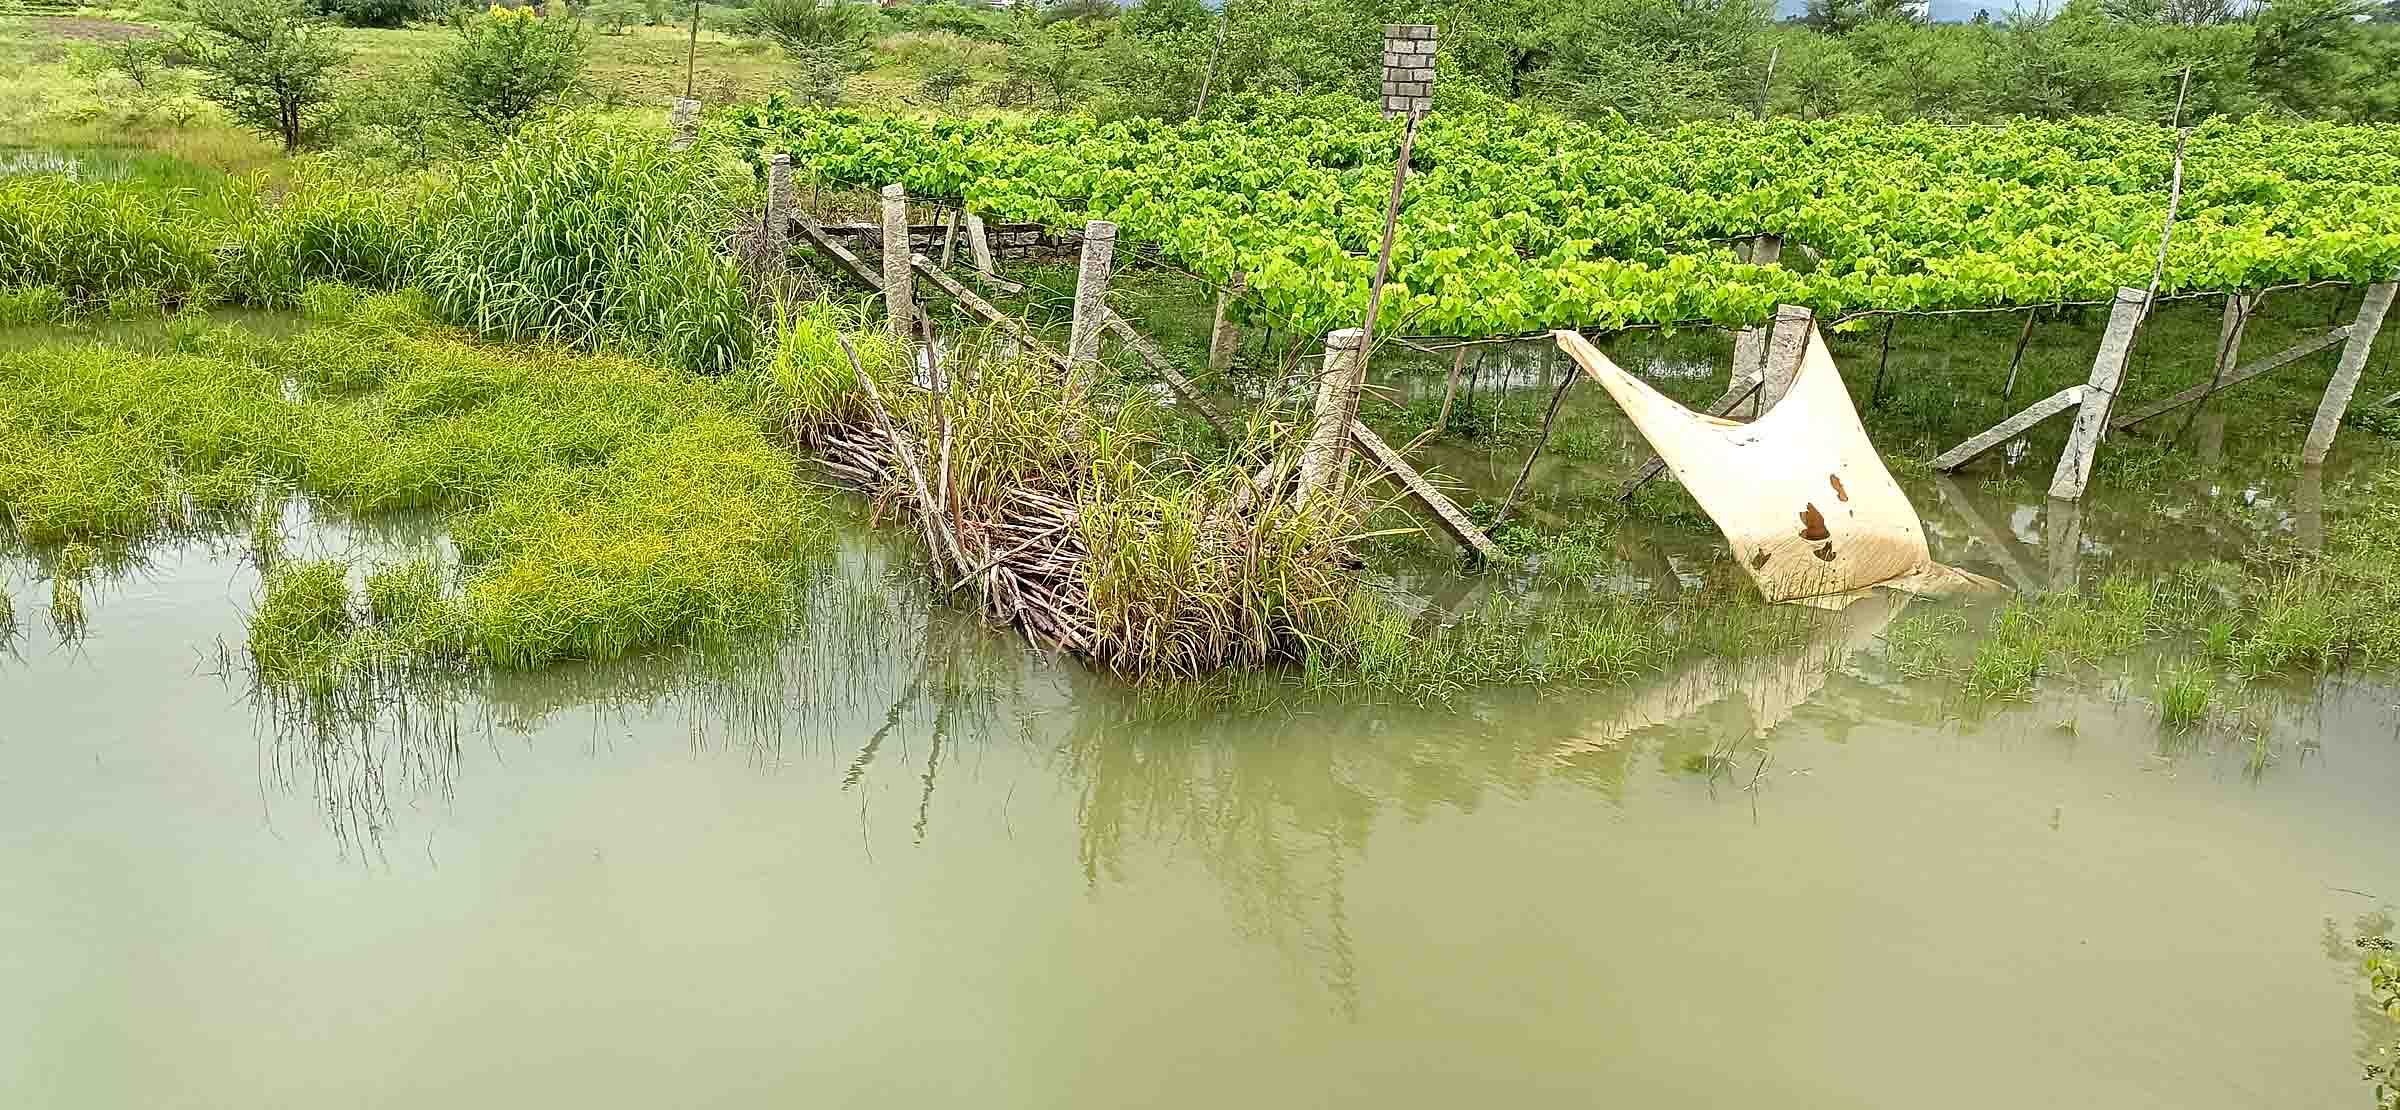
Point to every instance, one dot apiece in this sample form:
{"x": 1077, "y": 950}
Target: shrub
{"x": 378, "y": 13}
{"x": 509, "y": 62}
{"x": 268, "y": 62}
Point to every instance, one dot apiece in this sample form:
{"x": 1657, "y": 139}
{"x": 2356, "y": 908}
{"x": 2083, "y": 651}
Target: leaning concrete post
{"x": 684, "y": 121}
{"x": 2108, "y": 372}
{"x": 775, "y": 238}
{"x": 899, "y": 285}
{"x": 1321, "y": 458}
{"x": 2371, "y": 310}
{"x": 1091, "y": 303}
{"x": 1224, "y": 336}
{"x": 1786, "y": 346}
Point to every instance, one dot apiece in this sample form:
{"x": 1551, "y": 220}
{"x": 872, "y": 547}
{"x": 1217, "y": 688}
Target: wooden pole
{"x": 2371, "y": 310}
{"x": 899, "y": 287}
{"x": 2091, "y": 420}
{"x": 1883, "y": 360}
{"x": 1450, "y": 390}
{"x": 1766, "y": 85}
{"x": 1091, "y": 304}
{"x": 1383, "y": 258}
{"x": 691, "y": 53}
{"x": 1224, "y": 15}
{"x": 1524, "y": 472}
{"x": 2008, "y": 389}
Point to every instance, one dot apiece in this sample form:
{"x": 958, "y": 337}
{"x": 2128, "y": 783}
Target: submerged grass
{"x": 2185, "y": 692}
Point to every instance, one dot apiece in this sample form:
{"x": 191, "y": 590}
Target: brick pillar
{"x": 1407, "y": 68}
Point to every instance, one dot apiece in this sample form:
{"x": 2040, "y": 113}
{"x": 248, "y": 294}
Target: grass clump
{"x": 1918, "y": 646}
{"x": 302, "y": 619}
{"x": 2185, "y": 692}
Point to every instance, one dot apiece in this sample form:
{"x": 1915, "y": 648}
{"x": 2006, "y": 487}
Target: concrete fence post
{"x": 1323, "y": 456}
{"x": 775, "y": 236}
{"x": 1091, "y": 303}
{"x": 683, "y": 120}
{"x": 1786, "y": 346}
{"x": 1225, "y": 336}
{"x": 2371, "y": 310}
{"x": 2099, "y": 395}
{"x": 899, "y": 283}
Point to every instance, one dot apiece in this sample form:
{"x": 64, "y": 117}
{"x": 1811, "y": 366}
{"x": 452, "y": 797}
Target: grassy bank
{"x": 600, "y": 505}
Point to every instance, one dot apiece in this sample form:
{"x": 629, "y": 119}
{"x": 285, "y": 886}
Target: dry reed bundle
{"x": 1061, "y": 513}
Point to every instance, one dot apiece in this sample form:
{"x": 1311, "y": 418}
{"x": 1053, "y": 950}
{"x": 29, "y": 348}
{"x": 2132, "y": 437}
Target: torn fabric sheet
{"x": 1800, "y": 493}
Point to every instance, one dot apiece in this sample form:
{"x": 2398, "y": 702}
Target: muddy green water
{"x": 900, "y": 861}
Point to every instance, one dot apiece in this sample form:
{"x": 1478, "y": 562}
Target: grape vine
{"x": 1516, "y": 221}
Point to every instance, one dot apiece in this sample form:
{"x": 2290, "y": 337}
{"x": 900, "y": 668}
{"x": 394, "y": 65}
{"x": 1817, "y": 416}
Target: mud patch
{"x": 1812, "y": 524}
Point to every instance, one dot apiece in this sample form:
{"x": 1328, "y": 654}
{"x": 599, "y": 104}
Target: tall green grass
{"x": 593, "y": 234}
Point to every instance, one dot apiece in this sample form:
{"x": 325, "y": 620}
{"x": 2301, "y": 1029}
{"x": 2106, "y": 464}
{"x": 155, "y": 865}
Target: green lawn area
{"x": 52, "y": 96}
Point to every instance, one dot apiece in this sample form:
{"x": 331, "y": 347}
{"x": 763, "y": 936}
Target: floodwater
{"x": 902, "y": 861}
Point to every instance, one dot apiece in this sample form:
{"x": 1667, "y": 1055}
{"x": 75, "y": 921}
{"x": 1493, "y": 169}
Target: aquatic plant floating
{"x": 1800, "y": 492}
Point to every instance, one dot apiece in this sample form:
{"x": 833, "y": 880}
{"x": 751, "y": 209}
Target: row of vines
{"x": 1516, "y": 221}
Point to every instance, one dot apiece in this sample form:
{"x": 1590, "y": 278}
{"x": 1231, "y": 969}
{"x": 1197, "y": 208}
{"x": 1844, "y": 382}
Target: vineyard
{"x": 1516, "y": 221}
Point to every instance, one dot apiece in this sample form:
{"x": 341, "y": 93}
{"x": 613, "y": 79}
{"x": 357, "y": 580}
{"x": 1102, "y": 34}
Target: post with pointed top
{"x": 899, "y": 284}
{"x": 1323, "y": 456}
{"x": 2371, "y": 310}
{"x": 775, "y": 234}
{"x": 1091, "y": 303}
{"x": 2100, "y": 393}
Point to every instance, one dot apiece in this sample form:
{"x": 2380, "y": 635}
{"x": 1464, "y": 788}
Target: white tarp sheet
{"x": 1800, "y": 493}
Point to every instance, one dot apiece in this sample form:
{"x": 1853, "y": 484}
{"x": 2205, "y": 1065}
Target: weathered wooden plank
{"x": 2108, "y": 374}
{"x": 1156, "y": 360}
{"x": 2009, "y": 429}
{"x": 1445, "y": 511}
{"x": 2267, "y": 365}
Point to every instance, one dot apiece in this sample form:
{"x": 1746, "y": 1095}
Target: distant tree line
{"x": 1657, "y": 61}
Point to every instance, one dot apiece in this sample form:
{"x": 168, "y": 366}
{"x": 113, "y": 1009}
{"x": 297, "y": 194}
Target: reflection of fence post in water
{"x": 2062, "y": 534}
{"x": 2308, "y": 508}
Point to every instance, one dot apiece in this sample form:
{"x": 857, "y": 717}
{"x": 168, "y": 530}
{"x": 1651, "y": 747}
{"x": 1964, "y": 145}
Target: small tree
{"x": 268, "y": 62}
{"x": 508, "y": 62}
{"x": 825, "y": 39}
